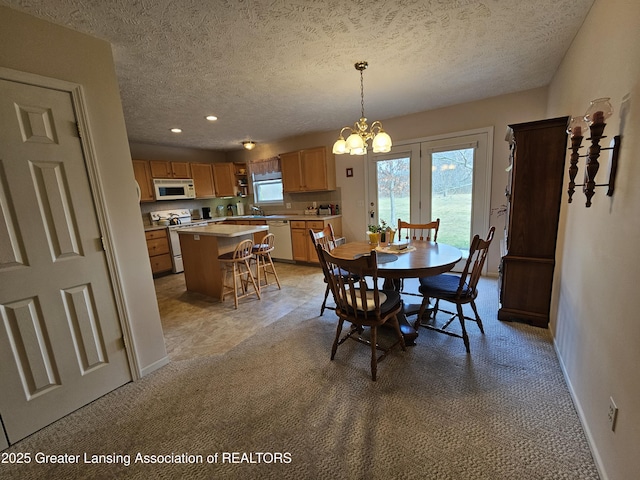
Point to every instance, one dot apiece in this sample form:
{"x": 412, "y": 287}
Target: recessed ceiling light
{"x": 211, "y": 118}
{"x": 176, "y": 130}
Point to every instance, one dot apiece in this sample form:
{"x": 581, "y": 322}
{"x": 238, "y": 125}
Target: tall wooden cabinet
{"x": 534, "y": 194}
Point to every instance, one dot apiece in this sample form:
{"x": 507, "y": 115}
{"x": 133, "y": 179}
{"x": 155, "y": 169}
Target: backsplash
{"x": 299, "y": 203}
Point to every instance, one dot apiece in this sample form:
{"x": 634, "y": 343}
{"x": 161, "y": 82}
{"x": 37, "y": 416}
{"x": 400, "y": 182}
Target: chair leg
{"x": 273, "y": 271}
{"x": 374, "y": 353}
{"x": 235, "y": 284}
{"x": 465, "y": 337}
{"x": 423, "y": 308}
{"x": 324, "y": 302}
{"x": 337, "y": 340}
{"x": 396, "y": 326}
{"x": 478, "y": 319}
{"x": 253, "y": 280}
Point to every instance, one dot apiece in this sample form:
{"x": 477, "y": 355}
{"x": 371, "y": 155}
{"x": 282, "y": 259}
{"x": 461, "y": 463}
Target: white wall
{"x": 31, "y": 45}
{"x": 595, "y": 317}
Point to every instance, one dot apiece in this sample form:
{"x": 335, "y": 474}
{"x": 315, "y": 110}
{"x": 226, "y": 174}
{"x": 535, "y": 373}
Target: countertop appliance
{"x": 282, "y": 246}
{"x": 174, "y": 189}
{"x": 177, "y": 219}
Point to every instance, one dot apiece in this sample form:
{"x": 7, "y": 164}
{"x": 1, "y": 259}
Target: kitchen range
{"x": 175, "y": 220}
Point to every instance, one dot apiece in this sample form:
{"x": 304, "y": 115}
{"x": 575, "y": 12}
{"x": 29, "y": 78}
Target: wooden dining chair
{"x": 327, "y": 240}
{"x": 264, "y": 262}
{"x": 359, "y": 305}
{"x": 457, "y": 289}
{"x": 237, "y": 269}
{"x": 419, "y": 231}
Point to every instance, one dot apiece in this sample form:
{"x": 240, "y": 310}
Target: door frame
{"x": 97, "y": 193}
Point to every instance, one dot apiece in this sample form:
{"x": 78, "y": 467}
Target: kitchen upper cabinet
{"x": 142, "y": 173}
{"x": 224, "y": 179}
{"x": 163, "y": 169}
{"x": 203, "y": 180}
{"x": 307, "y": 171}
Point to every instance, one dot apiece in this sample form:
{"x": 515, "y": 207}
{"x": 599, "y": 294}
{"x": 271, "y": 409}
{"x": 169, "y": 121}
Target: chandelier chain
{"x": 361, "y": 95}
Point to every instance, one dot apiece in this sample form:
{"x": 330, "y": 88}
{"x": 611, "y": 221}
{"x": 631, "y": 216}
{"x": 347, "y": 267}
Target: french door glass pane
{"x": 451, "y": 190}
{"x": 393, "y": 190}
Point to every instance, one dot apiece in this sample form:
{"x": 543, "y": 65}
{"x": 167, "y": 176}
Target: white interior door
{"x": 61, "y": 344}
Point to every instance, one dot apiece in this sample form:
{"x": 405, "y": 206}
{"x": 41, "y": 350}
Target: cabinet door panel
{"x": 314, "y": 169}
{"x": 291, "y": 172}
{"x": 142, "y": 173}
{"x": 224, "y": 179}
{"x": 160, "y": 169}
{"x": 203, "y": 180}
{"x": 180, "y": 170}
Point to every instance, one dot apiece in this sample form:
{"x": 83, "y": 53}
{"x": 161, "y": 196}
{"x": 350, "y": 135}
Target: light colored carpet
{"x": 435, "y": 412}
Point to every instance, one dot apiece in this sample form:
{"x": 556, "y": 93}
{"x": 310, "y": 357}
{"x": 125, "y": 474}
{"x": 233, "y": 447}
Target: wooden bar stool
{"x": 236, "y": 265}
{"x": 264, "y": 263}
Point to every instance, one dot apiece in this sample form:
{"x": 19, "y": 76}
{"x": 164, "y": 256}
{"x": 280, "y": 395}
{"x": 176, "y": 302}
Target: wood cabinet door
{"x": 224, "y": 179}
{"x": 181, "y": 169}
{"x": 160, "y": 169}
{"x": 142, "y": 174}
{"x": 314, "y": 169}
{"x": 203, "y": 180}
{"x": 291, "y": 172}
{"x": 300, "y": 243}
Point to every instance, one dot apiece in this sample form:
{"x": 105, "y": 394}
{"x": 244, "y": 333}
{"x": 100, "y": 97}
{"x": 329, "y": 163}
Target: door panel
{"x": 61, "y": 345}
{"x": 449, "y": 178}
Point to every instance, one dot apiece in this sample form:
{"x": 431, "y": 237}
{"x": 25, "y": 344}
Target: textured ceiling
{"x": 273, "y": 68}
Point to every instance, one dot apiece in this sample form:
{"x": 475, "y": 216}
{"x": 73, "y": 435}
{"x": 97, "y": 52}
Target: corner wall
{"x": 31, "y": 45}
{"x": 594, "y": 314}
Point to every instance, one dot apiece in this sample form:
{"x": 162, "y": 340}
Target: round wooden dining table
{"x": 421, "y": 259}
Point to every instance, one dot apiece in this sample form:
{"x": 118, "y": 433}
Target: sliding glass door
{"x": 446, "y": 177}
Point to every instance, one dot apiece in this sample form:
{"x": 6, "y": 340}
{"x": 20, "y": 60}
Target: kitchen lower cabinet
{"x": 159, "y": 251}
{"x": 302, "y": 246}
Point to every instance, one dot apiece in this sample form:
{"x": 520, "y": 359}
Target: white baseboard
{"x": 154, "y": 366}
{"x": 581, "y": 416}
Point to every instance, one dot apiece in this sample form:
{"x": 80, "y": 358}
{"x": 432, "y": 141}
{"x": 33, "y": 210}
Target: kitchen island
{"x": 201, "y": 247}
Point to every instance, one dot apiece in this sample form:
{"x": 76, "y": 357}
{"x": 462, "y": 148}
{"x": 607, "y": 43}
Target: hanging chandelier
{"x": 361, "y": 133}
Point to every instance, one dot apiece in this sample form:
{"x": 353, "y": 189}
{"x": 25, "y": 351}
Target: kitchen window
{"x": 267, "y": 188}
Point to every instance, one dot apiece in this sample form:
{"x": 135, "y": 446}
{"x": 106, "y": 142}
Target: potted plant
{"x": 375, "y": 233}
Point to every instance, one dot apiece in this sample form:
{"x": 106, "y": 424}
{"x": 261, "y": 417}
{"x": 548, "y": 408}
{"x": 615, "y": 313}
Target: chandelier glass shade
{"x": 361, "y": 133}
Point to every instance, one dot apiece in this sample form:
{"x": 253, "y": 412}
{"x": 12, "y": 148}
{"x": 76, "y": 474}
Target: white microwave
{"x": 174, "y": 188}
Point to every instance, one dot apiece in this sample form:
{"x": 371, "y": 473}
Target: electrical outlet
{"x": 613, "y": 414}
{"x": 288, "y": 205}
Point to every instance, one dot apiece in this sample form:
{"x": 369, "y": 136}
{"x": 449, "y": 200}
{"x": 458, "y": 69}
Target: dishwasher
{"x": 282, "y": 247}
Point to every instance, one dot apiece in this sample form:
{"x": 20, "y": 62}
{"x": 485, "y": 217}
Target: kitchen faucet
{"x": 257, "y": 210}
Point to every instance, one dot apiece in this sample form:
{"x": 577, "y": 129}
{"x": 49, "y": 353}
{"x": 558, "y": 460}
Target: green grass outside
{"x": 453, "y": 210}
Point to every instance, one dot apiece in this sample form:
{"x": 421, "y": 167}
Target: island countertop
{"x": 217, "y": 230}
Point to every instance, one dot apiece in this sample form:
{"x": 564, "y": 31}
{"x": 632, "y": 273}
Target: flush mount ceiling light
{"x": 249, "y": 145}
{"x": 361, "y": 133}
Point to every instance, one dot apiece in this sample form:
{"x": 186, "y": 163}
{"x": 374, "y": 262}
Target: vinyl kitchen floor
{"x": 197, "y": 325}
